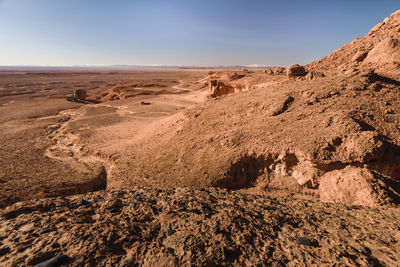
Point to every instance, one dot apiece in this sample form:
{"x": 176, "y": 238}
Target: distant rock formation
{"x": 218, "y": 88}
{"x": 80, "y": 94}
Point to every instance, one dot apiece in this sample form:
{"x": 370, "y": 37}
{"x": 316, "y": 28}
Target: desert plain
{"x": 193, "y": 167}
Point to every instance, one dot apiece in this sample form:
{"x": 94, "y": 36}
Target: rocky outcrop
{"x": 218, "y": 88}
{"x": 221, "y": 83}
{"x": 295, "y": 70}
{"x": 386, "y": 52}
{"x": 358, "y": 186}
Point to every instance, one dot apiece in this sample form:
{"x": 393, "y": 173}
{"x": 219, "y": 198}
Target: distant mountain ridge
{"x": 140, "y": 67}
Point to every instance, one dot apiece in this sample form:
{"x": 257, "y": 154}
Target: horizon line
{"x": 127, "y": 66}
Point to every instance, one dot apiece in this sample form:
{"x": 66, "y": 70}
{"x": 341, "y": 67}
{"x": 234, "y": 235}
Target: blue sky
{"x": 181, "y": 32}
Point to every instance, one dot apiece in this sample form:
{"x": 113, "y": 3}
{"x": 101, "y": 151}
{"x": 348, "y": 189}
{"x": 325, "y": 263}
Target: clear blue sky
{"x": 181, "y": 32}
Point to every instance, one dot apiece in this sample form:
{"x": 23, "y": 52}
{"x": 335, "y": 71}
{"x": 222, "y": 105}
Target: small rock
{"x": 27, "y": 227}
{"x": 82, "y": 202}
{"x": 114, "y": 204}
{"x": 184, "y": 216}
{"x": 55, "y": 261}
{"x": 304, "y": 241}
{"x": 171, "y": 231}
{"x": 377, "y": 87}
{"x": 215, "y": 230}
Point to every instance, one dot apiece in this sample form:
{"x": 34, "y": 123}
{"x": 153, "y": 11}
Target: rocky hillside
{"x": 379, "y": 49}
{"x": 335, "y": 137}
{"x": 299, "y": 135}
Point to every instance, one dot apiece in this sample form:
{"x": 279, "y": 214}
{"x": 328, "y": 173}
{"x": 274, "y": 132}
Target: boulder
{"x": 358, "y": 186}
{"x": 386, "y": 52}
{"x": 80, "y": 94}
{"x": 295, "y": 70}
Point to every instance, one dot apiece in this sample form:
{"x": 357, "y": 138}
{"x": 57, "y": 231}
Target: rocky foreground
{"x": 197, "y": 227}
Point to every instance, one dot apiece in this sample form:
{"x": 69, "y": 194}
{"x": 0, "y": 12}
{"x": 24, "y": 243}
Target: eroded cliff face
{"x": 221, "y": 83}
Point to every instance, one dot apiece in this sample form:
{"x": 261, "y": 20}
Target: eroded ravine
{"x": 80, "y": 140}
{"x": 68, "y": 149}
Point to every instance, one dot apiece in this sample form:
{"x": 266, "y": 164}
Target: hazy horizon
{"x": 180, "y": 33}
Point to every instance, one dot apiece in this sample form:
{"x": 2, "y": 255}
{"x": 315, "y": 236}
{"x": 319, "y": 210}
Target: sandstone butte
{"x": 230, "y": 187}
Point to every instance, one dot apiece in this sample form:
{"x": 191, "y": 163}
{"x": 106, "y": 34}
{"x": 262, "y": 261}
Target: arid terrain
{"x": 54, "y": 147}
{"x": 269, "y": 167}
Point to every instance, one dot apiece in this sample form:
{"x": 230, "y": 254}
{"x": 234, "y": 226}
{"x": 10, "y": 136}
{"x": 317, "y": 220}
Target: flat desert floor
{"x": 53, "y": 147}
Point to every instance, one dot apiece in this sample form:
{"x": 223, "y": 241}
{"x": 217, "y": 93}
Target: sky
{"x": 181, "y": 32}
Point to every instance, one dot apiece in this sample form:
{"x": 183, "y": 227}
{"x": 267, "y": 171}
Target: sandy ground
{"x": 54, "y": 147}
